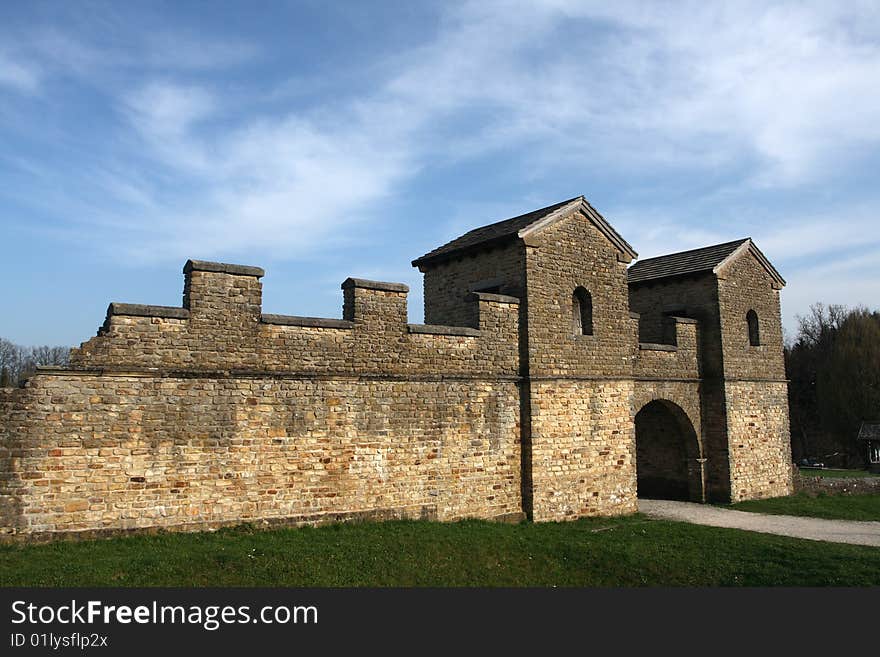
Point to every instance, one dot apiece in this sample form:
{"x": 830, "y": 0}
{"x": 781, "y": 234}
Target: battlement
{"x": 221, "y": 326}
{"x": 675, "y": 358}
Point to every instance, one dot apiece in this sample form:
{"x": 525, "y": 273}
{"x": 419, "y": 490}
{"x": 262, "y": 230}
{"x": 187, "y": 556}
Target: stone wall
{"x": 582, "y": 439}
{"x": 113, "y": 451}
{"x": 447, "y": 283}
{"x": 759, "y": 442}
{"x": 745, "y": 285}
{"x": 13, "y": 425}
{"x": 694, "y": 296}
{"x": 582, "y": 449}
{"x": 222, "y": 328}
{"x": 679, "y": 360}
{"x": 570, "y": 254}
{"x": 755, "y": 386}
{"x": 215, "y": 414}
{"x": 811, "y": 484}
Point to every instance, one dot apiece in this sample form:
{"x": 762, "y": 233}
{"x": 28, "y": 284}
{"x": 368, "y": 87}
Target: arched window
{"x": 582, "y": 312}
{"x": 754, "y": 333}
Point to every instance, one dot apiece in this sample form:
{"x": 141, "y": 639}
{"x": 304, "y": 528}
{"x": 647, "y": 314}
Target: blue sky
{"x": 325, "y": 140}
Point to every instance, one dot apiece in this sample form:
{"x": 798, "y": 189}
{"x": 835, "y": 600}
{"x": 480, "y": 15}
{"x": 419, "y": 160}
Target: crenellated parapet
{"x": 676, "y": 358}
{"x": 221, "y": 327}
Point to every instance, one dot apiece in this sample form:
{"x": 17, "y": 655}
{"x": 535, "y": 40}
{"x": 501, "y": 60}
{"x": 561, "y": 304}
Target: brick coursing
{"x": 214, "y": 413}
{"x": 132, "y": 452}
{"x": 755, "y": 387}
{"x": 760, "y": 445}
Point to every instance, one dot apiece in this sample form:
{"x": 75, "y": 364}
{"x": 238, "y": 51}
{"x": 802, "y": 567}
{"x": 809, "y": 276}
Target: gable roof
{"x": 515, "y": 228}
{"x": 683, "y": 262}
{"x": 695, "y": 261}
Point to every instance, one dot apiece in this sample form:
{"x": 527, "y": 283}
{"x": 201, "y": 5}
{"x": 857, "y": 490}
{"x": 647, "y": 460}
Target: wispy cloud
{"x": 18, "y": 75}
{"x": 751, "y": 98}
{"x": 850, "y": 282}
{"x": 789, "y": 89}
{"x": 691, "y": 86}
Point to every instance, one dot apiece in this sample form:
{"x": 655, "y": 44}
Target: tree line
{"x": 833, "y": 364}
{"x": 17, "y": 363}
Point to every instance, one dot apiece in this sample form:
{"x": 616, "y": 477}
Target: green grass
{"x": 865, "y": 506}
{"x": 633, "y": 551}
{"x": 836, "y": 474}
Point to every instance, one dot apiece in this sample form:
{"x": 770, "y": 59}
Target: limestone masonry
{"x": 551, "y": 381}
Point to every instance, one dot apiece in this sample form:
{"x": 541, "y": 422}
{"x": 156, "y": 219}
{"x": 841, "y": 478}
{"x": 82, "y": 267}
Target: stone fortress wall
{"x": 214, "y": 413}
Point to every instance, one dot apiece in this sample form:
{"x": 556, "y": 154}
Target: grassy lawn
{"x": 633, "y": 551}
{"x": 836, "y": 474}
{"x": 843, "y": 507}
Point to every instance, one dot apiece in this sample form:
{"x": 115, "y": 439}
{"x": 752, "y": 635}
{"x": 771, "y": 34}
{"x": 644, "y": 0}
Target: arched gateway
{"x": 668, "y": 453}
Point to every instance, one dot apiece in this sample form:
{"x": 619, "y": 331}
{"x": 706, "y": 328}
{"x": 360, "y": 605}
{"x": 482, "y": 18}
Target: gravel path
{"x": 817, "y": 529}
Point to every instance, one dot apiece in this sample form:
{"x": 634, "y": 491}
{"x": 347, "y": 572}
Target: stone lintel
{"x": 349, "y": 283}
{"x": 435, "y": 329}
{"x": 223, "y": 268}
{"x": 683, "y": 320}
{"x": 143, "y": 310}
{"x": 487, "y": 296}
{"x": 314, "y": 322}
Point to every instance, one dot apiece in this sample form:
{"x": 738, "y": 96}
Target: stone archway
{"x": 668, "y": 455}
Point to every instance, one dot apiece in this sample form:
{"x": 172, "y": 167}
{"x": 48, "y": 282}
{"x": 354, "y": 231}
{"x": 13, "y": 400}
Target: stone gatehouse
{"x": 552, "y": 379}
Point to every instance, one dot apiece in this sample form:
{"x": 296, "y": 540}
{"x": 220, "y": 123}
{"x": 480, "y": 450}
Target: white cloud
{"x": 790, "y": 86}
{"x": 785, "y": 92}
{"x": 848, "y": 281}
{"x": 167, "y": 110}
{"x": 281, "y": 184}
{"x": 18, "y": 75}
{"x": 849, "y": 227}
{"x": 832, "y": 256}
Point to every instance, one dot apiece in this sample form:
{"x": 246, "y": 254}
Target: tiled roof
{"x": 870, "y": 431}
{"x": 493, "y": 233}
{"x": 684, "y": 262}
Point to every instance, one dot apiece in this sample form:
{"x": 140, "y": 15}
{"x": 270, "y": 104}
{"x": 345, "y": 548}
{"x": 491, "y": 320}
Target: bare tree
{"x": 46, "y": 355}
{"x": 17, "y": 362}
{"x": 819, "y": 326}
{"x": 11, "y": 361}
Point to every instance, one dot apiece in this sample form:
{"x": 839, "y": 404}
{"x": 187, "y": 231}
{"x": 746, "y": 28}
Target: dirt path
{"x": 817, "y": 529}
